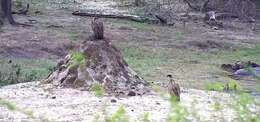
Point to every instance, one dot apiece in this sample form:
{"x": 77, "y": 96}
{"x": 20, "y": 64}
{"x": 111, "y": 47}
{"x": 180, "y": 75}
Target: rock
{"x": 238, "y": 65}
{"x": 131, "y": 93}
{"x": 113, "y": 101}
{"x": 248, "y": 72}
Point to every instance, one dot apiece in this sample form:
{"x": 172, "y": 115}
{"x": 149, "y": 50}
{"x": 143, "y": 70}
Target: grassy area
{"x": 144, "y": 61}
{"x": 13, "y": 107}
{"x": 131, "y": 24}
{"x": 24, "y": 70}
{"x": 191, "y": 68}
{"x": 244, "y": 54}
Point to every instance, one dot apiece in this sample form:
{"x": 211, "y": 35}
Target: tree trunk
{"x": 6, "y": 13}
{"x": 1, "y": 14}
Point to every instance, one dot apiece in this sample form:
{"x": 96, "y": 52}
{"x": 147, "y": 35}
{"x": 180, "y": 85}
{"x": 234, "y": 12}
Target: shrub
{"x": 97, "y": 88}
{"x": 217, "y": 86}
{"x": 177, "y": 113}
{"x": 233, "y": 85}
{"x": 12, "y": 72}
{"x": 242, "y": 108}
{"x": 77, "y": 58}
{"x": 118, "y": 116}
{"x": 146, "y": 117}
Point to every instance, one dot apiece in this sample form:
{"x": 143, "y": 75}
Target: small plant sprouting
{"x": 177, "y": 113}
{"x": 233, "y": 85}
{"x": 215, "y": 86}
{"x": 118, "y": 116}
{"x": 241, "y": 106}
{"x": 217, "y": 106}
{"x": 78, "y": 59}
{"x": 10, "y": 106}
{"x": 146, "y": 117}
{"x": 97, "y": 88}
{"x": 179, "y": 35}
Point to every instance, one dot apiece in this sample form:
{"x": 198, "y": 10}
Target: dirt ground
{"x": 191, "y": 52}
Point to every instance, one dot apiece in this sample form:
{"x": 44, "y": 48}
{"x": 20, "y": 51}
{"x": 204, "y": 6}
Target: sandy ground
{"x": 74, "y": 105}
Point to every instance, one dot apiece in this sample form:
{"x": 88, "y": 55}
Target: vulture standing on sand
{"x": 174, "y": 88}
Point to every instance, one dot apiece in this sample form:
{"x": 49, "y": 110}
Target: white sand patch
{"x": 74, "y": 105}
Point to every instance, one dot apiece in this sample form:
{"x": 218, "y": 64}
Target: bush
{"x": 118, "y": 116}
{"x": 23, "y": 71}
{"x": 215, "y": 86}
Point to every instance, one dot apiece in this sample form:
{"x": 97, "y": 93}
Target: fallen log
{"x": 119, "y": 16}
{"x": 225, "y": 15}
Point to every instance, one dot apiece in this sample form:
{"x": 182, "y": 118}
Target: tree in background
{"x": 6, "y": 12}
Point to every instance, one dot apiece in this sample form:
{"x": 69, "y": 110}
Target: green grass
{"x": 212, "y": 63}
{"x": 37, "y": 5}
{"x": 217, "y": 106}
{"x": 10, "y": 106}
{"x": 178, "y": 113}
{"x": 241, "y": 107}
{"x": 233, "y": 85}
{"x": 146, "y": 117}
{"x": 215, "y": 86}
{"x": 179, "y": 35}
{"x": 24, "y": 70}
{"x": 77, "y": 59}
{"x": 227, "y": 56}
{"x": 73, "y": 36}
{"x": 144, "y": 61}
{"x": 97, "y": 88}
{"x": 242, "y": 54}
{"x": 248, "y": 53}
{"x": 218, "y": 86}
{"x": 118, "y": 116}
{"x": 131, "y": 24}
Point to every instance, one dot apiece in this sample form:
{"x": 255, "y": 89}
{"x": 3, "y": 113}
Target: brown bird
{"x": 174, "y": 88}
{"x": 98, "y": 28}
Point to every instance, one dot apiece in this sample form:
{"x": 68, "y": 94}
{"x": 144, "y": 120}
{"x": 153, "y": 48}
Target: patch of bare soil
{"x": 44, "y": 38}
{"x": 19, "y": 42}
